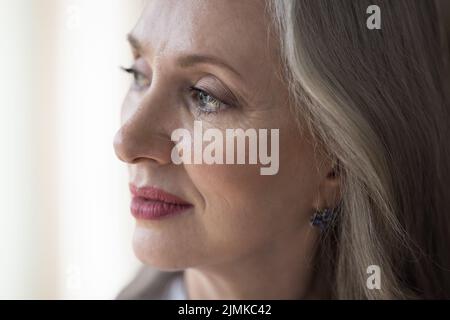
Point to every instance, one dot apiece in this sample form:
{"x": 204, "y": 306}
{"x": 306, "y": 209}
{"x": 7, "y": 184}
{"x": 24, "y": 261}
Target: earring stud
{"x": 321, "y": 218}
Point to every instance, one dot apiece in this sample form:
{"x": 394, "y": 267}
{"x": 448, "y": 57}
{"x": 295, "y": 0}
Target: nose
{"x": 143, "y": 136}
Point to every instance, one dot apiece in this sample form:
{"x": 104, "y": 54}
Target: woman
{"x": 359, "y": 205}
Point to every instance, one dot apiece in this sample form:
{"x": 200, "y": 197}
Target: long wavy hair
{"x": 377, "y": 102}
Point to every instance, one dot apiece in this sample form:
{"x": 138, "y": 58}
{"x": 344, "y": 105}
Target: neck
{"x": 281, "y": 269}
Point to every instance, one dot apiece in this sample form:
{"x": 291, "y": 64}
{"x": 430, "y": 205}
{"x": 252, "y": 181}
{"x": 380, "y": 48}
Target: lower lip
{"x": 147, "y": 209}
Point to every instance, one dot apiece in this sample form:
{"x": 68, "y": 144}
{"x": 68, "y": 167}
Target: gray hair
{"x": 377, "y": 101}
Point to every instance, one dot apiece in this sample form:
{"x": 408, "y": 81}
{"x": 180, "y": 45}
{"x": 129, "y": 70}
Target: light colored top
{"x": 155, "y": 285}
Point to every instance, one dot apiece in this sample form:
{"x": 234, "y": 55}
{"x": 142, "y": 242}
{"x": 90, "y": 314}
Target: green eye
{"x": 206, "y": 103}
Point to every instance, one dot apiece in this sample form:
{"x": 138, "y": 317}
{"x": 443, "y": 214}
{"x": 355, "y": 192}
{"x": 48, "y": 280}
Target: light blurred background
{"x": 65, "y": 227}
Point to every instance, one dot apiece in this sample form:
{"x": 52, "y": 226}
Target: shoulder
{"x": 150, "y": 284}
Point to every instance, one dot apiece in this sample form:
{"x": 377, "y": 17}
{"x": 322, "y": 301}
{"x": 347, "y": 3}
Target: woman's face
{"x": 224, "y": 48}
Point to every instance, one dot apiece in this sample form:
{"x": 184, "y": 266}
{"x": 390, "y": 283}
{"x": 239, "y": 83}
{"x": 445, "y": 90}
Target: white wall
{"x": 65, "y": 227}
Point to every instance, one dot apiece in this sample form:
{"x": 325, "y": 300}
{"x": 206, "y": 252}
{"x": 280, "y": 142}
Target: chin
{"x": 156, "y": 249}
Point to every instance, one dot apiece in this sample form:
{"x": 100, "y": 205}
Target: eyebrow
{"x": 189, "y": 60}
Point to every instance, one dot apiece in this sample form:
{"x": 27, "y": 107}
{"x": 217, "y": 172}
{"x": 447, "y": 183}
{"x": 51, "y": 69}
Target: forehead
{"x": 235, "y": 29}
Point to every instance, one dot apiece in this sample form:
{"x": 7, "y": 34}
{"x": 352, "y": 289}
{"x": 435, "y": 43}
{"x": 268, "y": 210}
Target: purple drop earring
{"x": 321, "y": 218}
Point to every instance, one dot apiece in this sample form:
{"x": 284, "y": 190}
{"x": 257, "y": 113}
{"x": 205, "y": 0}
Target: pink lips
{"x": 151, "y": 203}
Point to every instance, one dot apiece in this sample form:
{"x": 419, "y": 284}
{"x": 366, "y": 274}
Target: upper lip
{"x": 153, "y": 193}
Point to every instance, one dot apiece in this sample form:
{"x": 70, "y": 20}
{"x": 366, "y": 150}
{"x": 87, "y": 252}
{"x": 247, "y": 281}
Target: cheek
{"x": 243, "y": 209}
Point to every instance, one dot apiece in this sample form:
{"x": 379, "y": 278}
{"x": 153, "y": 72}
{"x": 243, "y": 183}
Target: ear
{"x": 329, "y": 192}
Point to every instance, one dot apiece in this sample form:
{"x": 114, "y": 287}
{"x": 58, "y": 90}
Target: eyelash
{"x": 193, "y": 90}
{"x": 220, "y": 105}
{"x": 136, "y": 76}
